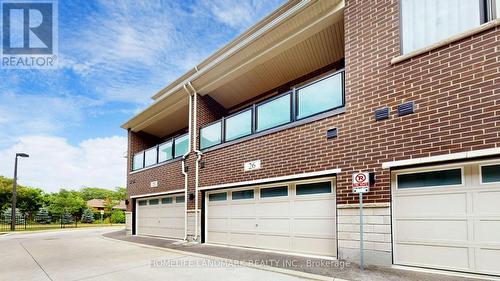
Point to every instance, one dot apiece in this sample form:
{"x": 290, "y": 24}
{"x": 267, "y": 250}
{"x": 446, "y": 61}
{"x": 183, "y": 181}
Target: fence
{"x": 30, "y": 222}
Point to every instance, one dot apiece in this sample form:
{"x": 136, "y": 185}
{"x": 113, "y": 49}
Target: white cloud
{"x": 54, "y": 163}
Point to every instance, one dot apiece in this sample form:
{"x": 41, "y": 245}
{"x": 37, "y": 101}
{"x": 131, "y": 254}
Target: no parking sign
{"x": 360, "y": 182}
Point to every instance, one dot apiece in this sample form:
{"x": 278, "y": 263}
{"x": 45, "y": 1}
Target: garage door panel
{"x": 219, "y": 210}
{"x": 421, "y": 230}
{"x": 164, "y": 220}
{"x": 242, "y": 239}
{"x": 274, "y": 242}
{"x": 220, "y": 224}
{"x": 451, "y": 204}
{"x": 488, "y": 231}
{"x": 488, "y": 260}
{"x": 318, "y": 246}
{"x": 242, "y": 224}
{"x": 273, "y": 209}
{"x": 274, "y": 226}
{"x": 243, "y": 210}
{"x": 218, "y": 237}
{"x": 314, "y": 227}
{"x": 488, "y": 202}
{"x": 433, "y": 256}
{"x": 314, "y": 208}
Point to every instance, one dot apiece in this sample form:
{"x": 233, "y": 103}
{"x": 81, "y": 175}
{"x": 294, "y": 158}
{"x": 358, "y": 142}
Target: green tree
{"x": 120, "y": 193}
{"x": 88, "y": 193}
{"x": 66, "y": 201}
{"x": 88, "y": 216}
{"x": 29, "y": 199}
{"x": 42, "y": 216}
{"x": 66, "y": 218}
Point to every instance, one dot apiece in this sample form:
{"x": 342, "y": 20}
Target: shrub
{"x": 42, "y": 216}
{"x": 117, "y": 216}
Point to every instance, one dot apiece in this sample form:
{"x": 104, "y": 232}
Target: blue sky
{"x": 113, "y": 55}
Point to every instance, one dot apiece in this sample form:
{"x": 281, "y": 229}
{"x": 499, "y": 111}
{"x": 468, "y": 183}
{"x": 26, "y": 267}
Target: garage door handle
{"x": 256, "y": 225}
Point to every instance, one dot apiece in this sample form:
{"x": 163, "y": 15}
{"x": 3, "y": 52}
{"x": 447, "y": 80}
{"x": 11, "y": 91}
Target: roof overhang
{"x": 298, "y": 38}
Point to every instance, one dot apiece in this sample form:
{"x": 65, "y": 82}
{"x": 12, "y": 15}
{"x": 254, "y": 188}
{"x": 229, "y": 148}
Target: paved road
{"x": 85, "y": 255}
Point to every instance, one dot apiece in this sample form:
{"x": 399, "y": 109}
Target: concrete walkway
{"x": 330, "y": 270}
{"x": 84, "y": 254}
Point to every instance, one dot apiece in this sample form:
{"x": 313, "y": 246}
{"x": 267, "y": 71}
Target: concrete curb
{"x": 260, "y": 267}
{"x": 60, "y": 230}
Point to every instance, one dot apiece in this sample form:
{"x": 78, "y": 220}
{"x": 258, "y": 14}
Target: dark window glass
{"x": 217, "y": 196}
{"x": 313, "y": 188}
{"x": 490, "y": 173}
{"x": 274, "y": 191}
{"x": 143, "y": 202}
{"x": 239, "y": 125}
{"x": 150, "y": 157}
{"x": 434, "y": 178}
{"x": 154, "y": 202}
{"x": 320, "y": 96}
{"x": 179, "y": 199}
{"x": 242, "y": 194}
{"x": 167, "y": 200}
{"x": 273, "y": 113}
{"x": 165, "y": 151}
{"x": 211, "y": 135}
{"x": 181, "y": 145}
{"x": 138, "y": 162}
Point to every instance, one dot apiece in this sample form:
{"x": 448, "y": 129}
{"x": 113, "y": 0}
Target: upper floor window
{"x": 181, "y": 145}
{"x": 425, "y": 22}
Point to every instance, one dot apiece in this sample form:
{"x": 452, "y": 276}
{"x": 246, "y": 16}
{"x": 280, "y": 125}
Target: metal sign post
{"x": 360, "y": 185}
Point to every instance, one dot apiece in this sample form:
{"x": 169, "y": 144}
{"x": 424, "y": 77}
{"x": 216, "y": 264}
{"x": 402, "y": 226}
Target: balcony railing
{"x": 320, "y": 96}
{"x": 171, "y": 149}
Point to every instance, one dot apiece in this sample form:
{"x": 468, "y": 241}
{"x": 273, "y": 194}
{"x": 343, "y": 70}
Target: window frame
{"x": 485, "y": 10}
{"x": 224, "y": 124}
{"x": 243, "y": 190}
{"x": 167, "y": 203}
{"x": 332, "y": 188}
{"x": 226, "y": 198}
{"x": 309, "y": 83}
{"x": 183, "y": 196}
{"x": 287, "y": 185}
{"x": 431, "y": 169}
{"x": 481, "y": 173}
{"x": 142, "y": 200}
{"x": 208, "y": 125}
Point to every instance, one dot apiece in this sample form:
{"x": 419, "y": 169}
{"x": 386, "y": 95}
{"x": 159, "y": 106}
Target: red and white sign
{"x": 360, "y": 182}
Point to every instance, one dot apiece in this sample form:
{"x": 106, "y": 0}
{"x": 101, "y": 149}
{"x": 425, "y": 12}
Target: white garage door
{"x": 161, "y": 216}
{"x": 448, "y": 217}
{"x": 294, "y": 217}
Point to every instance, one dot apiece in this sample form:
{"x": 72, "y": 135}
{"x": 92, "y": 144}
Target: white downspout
{"x": 198, "y": 158}
{"x": 184, "y": 164}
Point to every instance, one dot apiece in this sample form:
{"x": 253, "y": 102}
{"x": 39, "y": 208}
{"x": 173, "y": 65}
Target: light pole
{"x": 14, "y": 195}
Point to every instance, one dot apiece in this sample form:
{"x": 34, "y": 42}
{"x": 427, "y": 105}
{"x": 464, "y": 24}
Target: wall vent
{"x": 331, "y": 133}
{"x": 405, "y": 108}
{"x": 381, "y": 114}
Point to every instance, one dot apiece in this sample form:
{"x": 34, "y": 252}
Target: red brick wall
{"x": 454, "y": 88}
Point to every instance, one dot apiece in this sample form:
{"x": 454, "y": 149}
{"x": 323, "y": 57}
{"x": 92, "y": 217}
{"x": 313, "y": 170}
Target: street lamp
{"x": 14, "y": 185}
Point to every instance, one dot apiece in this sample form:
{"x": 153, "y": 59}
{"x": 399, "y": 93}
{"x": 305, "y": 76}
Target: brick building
{"x": 257, "y": 145}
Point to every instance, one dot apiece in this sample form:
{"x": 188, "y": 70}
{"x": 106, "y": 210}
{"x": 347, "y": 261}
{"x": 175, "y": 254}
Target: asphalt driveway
{"x": 86, "y": 255}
